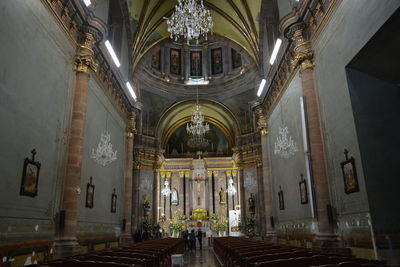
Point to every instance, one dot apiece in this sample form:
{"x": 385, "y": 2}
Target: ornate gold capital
{"x": 304, "y": 58}
{"x": 130, "y": 127}
{"x": 136, "y": 164}
{"x": 84, "y": 59}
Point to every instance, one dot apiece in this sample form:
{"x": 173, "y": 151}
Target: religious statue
{"x": 174, "y": 197}
{"x": 252, "y": 205}
{"x": 146, "y": 207}
{"x": 221, "y": 196}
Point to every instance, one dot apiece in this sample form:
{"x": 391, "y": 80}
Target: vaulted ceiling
{"x": 237, "y": 20}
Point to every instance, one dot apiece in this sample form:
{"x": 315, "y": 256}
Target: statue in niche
{"x": 252, "y": 205}
{"x": 146, "y": 206}
{"x": 222, "y": 196}
{"x": 174, "y": 197}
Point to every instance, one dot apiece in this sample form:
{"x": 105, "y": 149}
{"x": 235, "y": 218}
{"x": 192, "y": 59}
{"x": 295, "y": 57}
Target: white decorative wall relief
{"x": 249, "y": 181}
{"x": 104, "y": 153}
{"x": 284, "y": 145}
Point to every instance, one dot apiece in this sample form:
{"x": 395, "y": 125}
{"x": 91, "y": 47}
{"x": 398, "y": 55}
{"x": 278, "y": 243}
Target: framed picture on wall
{"x": 349, "y": 174}
{"x": 216, "y": 61}
{"x": 236, "y": 59}
{"x": 155, "y": 60}
{"x": 281, "y": 199}
{"x": 175, "y": 61}
{"x": 303, "y": 190}
{"x": 89, "y": 194}
{"x": 113, "y": 202}
{"x": 30, "y": 176}
{"x": 196, "y": 69}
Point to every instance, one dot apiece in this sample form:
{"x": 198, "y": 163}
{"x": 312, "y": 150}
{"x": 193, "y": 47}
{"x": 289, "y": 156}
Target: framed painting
{"x": 216, "y": 61}
{"x": 156, "y": 60}
{"x": 30, "y": 176}
{"x": 349, "y": 174}
{"x": 236, "y": 59}
{"x": 303, "y": 190}
{"x": 281, "y": 199}
{"x": 113, "y": 202}
{"x": 175, "y": 61}
{"x": 195, "y": 64}
{"x": 89, "y": 194}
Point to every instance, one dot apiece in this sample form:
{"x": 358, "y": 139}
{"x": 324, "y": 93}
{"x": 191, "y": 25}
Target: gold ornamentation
{"x": 136, "y": 164}
{"x": 84, "y": 60}
{"x": 130, "y": 128}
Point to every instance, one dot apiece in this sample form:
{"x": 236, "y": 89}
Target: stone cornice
{"x": 311, "y": 16}
{"x": 75, "y": 20}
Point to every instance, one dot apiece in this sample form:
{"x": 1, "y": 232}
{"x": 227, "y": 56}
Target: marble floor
{"x": 200, "y": 258}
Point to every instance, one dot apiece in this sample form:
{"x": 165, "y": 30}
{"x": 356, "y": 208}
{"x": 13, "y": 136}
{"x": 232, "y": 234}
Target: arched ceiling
{"x": 236, "y": 20}
{"x": 181, "y": 112}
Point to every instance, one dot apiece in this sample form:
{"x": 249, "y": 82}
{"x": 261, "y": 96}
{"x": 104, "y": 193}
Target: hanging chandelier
{"x": 197, "y": 127}
{"x": 190, "y": 20}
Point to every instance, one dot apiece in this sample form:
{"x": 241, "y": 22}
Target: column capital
{"x": 303, "y": 54}
{"x": 130, "y": 127}
{"x": 84, "y": 59}
{"x": 262, "y": 123}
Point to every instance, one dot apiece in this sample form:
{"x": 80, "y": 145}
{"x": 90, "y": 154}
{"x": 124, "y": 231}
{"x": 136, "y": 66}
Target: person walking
{"x": 192, "y": 241}
{"x": 200, "y": 237}
{"x": 186, "y": 238}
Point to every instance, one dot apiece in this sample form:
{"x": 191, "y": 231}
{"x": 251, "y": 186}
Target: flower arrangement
{"x": 214, "y": 217}
{"x": 176, "y": 227}
{"x": 221, "y": 227}
{"x": 183, "y": 217}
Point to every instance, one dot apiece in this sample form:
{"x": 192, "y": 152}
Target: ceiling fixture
{"x": 190, "y": 20}
{"x": 197, "y": 127}
{"x": 261, "y": 87}
{"x": 112, "y": 53}
{"x": 87, "y": 2}
{"x": 130, "y": 89}
{"x": 275, "y": 51}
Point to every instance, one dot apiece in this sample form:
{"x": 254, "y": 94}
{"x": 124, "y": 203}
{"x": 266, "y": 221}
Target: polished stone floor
{"x": 200, "y": 258}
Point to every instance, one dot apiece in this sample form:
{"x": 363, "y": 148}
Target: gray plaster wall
{"x": 36, "y": 81}
{"x": 101, "y": 10}
{"x": 102, "y": 116}
{"x": 284, "y": 7}
{"x": 286, "y": 171}
{"x": 341, "y": 39}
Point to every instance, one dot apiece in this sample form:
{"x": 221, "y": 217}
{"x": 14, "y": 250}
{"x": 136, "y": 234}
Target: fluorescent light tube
{"x": 130, "y": 89}
{"x": 261, "y": 88}
{"x": 275, "y": 52}
{"x": 112, "y": 53}
{"x": 87, "y": 2}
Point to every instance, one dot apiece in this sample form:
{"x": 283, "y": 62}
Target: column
{"x": 267, "y": 176}
{"x": 126, "y": 237}
{"x": 135, "y": 197}
{"x": 66, "y": 243}
{"x": 304, "y": 59}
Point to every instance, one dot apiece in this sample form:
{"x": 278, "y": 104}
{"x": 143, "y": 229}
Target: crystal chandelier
{"x": 104, "y": 153}
{"x": 231, "y": 188}
{"x": 190, "y": 20}
{"x": 166, "y": 191}
{"x": 197, "y": 127}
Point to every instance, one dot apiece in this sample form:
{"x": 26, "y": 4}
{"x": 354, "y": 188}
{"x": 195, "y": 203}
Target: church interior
{"x": 251, "y": 126}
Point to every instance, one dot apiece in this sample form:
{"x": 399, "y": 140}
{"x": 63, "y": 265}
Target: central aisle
{"x": 200, "y": 258}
